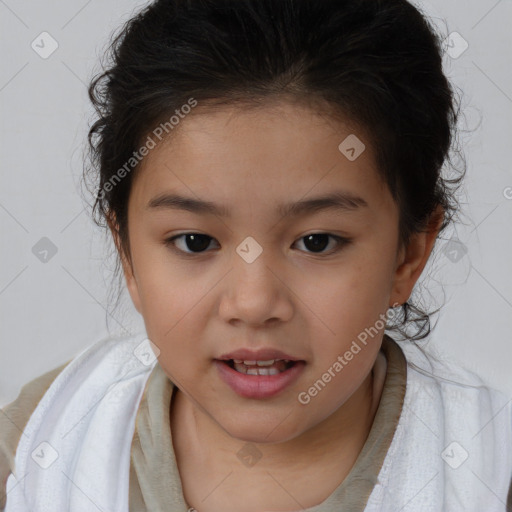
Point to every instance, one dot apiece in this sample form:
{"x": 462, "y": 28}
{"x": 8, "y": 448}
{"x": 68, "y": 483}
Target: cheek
{"x": 335, "y": 380}
{"x": 349, "y": 298}
{"x": 173, "y": 305}
{"x": 162, "y": 291}
{"x": 167, "y": 302}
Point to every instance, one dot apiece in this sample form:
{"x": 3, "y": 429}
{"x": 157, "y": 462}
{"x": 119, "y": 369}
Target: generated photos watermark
{"x": 159, "y": 133}
{"x": 304, "y": 397}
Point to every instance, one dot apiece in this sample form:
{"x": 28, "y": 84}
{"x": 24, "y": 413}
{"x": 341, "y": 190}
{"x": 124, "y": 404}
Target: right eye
{"x": 196, "y": 242}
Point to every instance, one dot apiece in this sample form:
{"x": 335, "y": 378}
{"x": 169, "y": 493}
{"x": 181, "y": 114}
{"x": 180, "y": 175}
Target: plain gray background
{"x": 51, "y": 310}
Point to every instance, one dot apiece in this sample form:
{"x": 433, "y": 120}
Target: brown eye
{"x": 192, "y": 243}
{"x": 197, "y": 243}
{"x": 317, "y": 242}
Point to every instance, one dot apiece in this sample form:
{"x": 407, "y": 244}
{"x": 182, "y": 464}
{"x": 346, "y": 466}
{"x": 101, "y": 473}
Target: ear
{"x": 412, "y": 259}
{"x": 129, "y": 275}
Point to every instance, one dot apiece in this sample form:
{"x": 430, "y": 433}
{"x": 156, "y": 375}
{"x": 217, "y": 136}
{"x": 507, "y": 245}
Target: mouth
{"x": 268, "y": 367}
{"x": 259, "y": 378}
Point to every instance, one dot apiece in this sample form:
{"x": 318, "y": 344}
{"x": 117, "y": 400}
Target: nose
{"x": 256, "y": 293}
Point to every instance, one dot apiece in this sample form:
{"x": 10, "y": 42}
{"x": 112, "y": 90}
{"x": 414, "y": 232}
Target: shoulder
{"x": 455, "y": 399}
{"x": 450, "y": 417}
{"x": 463, "y": 399}
{"x": 432, "y": 370}
{"x": 13, "y": 418}
{"x": 100, "y": 364}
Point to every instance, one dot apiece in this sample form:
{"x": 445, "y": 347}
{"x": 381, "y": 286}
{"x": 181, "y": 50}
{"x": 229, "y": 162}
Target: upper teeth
{"x": 269, "y": 362}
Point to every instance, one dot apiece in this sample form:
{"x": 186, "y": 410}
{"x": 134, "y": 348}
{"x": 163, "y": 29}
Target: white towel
{"x": 74, "y": 454}
{"x": 451, "y": 452}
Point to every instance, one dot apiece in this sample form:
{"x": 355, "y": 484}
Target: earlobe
{"x": 413, "y": 258}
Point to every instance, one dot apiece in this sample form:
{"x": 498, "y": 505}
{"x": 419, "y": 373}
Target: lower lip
{"x": 258, "y": 386}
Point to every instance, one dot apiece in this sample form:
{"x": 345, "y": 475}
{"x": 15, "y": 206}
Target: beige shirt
{"x": 154, "y": 478}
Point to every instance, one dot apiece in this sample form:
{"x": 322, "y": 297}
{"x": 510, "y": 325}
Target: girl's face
{"x": 256, "y": 278}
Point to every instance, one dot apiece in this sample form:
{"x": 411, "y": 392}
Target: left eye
{"x": 197, "y": 242}
{"x": 318, "y": 241}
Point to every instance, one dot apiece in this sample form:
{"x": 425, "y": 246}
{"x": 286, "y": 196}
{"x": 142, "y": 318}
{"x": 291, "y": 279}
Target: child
{"x": 265, "y": 380}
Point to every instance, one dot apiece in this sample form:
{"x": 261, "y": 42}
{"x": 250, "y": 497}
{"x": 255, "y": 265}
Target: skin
{"x": 309, "y": 304}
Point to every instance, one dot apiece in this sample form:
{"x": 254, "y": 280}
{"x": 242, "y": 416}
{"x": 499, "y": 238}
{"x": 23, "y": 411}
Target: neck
{"x": 343, "y": 432}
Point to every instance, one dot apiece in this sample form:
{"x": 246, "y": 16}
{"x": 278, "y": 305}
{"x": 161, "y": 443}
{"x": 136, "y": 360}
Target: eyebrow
{"x": 337, "y": 201}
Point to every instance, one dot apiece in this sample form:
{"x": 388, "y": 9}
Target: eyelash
{"x": 169, "y": 242}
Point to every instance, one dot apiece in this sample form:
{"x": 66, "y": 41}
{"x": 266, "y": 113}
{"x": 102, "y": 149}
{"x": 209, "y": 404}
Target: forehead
{"x": 274, "y": 152}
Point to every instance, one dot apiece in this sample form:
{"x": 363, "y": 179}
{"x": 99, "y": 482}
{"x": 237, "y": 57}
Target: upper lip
{"x": 263, "y": 354}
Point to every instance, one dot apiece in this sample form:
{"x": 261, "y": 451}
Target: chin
{"x": 264, "y": 432}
